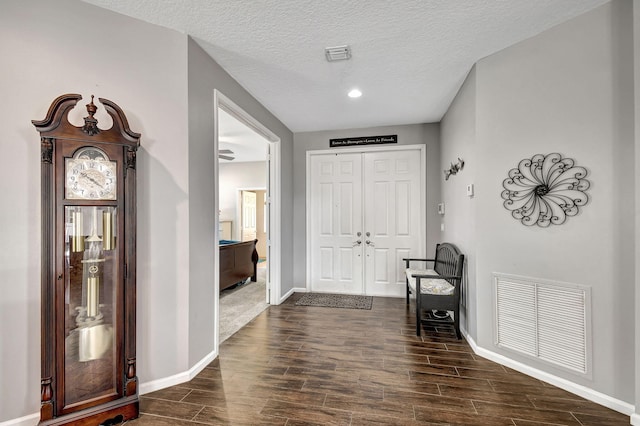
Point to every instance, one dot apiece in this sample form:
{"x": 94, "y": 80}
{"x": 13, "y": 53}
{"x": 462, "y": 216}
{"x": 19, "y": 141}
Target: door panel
{"x": 365, "y": 216}
{"x": 326, "y": 263}
{"x": 403, "y": 215}
{"x": 346, "y": 264}
{"x": 393, "y": 195}
{"x": 261, "y": 223}
{"x": 379, "y": 210}
{"x": 325, "y": 209}
{"x": 248, "y": 216}
{"x": 335, "y": 218}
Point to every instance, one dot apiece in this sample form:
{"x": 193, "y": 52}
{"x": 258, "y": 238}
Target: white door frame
{"x": 363, "y": 149}
{"x": 273, "y": 195}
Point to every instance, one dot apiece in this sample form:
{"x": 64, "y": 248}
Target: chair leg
{"x": 456, "y": 322}
{"x": 408, "y": 292}
{"x": 418, "y": 307}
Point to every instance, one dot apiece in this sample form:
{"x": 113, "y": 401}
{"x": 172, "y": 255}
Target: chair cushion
{"x": 429, "y": 285}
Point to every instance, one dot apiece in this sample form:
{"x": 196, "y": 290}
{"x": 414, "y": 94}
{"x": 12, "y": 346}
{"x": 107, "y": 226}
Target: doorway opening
{"x": 252, "y": 218}
{"x": 259, "y": 158}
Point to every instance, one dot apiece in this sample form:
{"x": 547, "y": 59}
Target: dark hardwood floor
{"x": 297, "y": 365}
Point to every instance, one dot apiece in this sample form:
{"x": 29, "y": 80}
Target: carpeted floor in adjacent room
{"x": 238, "y": 306}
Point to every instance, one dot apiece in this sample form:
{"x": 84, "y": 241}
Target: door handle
{"x": 357, "y": 243}
{"x": 370, "y": 243}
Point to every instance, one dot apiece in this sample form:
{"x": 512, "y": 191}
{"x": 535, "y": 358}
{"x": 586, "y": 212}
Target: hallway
{"x": 296, "y": 365}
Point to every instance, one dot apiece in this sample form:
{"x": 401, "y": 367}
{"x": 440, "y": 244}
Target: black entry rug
{"x": 326, "y": 300}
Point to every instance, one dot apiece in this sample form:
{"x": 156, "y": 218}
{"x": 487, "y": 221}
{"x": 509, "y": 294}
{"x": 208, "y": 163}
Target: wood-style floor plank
{"x": 304, "y": 366}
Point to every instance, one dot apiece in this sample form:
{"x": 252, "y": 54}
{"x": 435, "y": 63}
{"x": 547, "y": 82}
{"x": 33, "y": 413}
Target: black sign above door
{"x": 363, "y": 140}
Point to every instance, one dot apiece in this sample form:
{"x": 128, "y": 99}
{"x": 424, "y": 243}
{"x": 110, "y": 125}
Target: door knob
{"x": 357, "y": 243}
{"x": 370, "y": 243}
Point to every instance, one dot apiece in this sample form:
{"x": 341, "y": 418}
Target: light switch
{"x": 470, "y": 190}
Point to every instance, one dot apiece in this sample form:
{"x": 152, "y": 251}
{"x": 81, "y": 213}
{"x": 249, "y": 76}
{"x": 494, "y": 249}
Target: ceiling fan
{"x": 223, "y": 154}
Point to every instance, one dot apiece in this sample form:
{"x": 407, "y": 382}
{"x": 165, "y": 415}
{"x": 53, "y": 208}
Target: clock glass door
{"x": 90, "y": 296}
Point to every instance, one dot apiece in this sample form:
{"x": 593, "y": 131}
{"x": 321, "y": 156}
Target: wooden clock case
{"x": 82, "y": 382}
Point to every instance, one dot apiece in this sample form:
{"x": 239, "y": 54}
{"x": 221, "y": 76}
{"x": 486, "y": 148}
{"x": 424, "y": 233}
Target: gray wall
{"x": 235, "y": 176}
{"x": 565, "y": 90}
{"x": 164, "y": 83}
{"x": 419, "y": 134}
{"x": 205, "y": 75}
{"x": 69, "y": 46}
{"x": 458, "y": 136}
{"x": 202, "y": 213}
{"x": 636, "y": 57}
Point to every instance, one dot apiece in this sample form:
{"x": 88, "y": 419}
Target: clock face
{"x": 89, "y": 175}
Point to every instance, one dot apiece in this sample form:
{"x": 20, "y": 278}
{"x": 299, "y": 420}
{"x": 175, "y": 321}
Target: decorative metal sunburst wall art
{"x": 545, "y": 190}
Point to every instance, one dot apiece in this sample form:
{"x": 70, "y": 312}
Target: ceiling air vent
{"x": 337, "y": 53}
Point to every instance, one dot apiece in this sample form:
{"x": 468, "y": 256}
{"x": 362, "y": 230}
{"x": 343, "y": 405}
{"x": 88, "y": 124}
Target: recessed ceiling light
{"x": 355, "y": 93}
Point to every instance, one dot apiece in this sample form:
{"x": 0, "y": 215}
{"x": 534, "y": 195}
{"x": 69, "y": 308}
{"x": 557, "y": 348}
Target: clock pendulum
{"x": 95, "y": 335}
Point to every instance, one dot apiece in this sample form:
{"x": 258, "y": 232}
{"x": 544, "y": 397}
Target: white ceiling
{"x": 409, "y": 56}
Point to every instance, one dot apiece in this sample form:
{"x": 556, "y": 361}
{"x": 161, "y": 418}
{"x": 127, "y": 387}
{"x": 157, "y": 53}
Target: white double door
{"x": 366, "y": 212}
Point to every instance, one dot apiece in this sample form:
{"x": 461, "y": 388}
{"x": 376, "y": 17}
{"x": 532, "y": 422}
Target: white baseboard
{"x": 298, "y": 290}
{"x": 176, "y": 379}
{"x": 288, "y": 294}
{"x": 154, "y": 385}
{"x": 583, "y": 391}
{"x": 635, "y": 419}
{"x": 30, "y": 420}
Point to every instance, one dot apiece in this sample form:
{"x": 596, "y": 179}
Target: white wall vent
{"x": 547, "y": 320}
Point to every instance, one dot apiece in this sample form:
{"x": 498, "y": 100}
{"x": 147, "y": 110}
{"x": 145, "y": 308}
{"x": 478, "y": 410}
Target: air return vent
{"x": 547, "y": 320}
{"x": 337, "y": 53}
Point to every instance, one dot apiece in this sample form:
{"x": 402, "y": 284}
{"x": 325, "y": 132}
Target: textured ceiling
{"x": 409, "y": 56}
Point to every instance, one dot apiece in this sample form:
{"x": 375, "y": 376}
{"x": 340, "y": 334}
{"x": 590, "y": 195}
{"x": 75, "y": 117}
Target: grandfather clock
{"x": 88, "y": 267}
